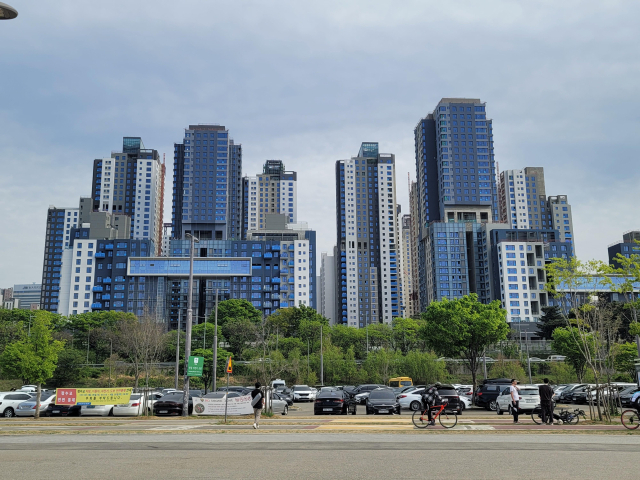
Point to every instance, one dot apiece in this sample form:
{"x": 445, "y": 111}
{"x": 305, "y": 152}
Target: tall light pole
{"x": 178, "y": 346}
{"x": 215, "y": 347}
{"x": 321, "y": 359}
{"x": 7, "y": 12}
{"x": 187, "y": 343}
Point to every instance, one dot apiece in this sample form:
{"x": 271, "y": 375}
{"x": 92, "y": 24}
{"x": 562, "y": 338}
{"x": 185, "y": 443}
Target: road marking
{"x": 181, "y": 427}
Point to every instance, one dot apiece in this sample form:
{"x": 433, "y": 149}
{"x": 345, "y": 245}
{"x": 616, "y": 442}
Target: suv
{"x": 362, "y": 392}
{"x": 487, "y": 393}
{"x": 451, "y": 394}
{"x": 9, "y": 402}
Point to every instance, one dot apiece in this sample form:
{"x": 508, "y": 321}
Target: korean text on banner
{"x": 93, "y": 396}
{"x": 215, "y": 406}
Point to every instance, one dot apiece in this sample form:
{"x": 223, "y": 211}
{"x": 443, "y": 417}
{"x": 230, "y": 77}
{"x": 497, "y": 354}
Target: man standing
{"x": 257, "y": 401}
{"x": 515, "y": 399}
{"x": 546, "y": 402}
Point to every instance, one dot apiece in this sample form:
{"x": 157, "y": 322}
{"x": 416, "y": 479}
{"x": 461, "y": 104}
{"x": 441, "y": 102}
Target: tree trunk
{"x": 38, "y": 392}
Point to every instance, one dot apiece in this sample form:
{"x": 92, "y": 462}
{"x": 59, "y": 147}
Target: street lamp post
{"x": 178, "y": 346}
{"x": 215, "y": 347}
{"x": 7, "y": 12}
{"x": 187, "y": 343}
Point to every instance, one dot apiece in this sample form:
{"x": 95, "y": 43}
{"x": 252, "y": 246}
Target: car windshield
{"x": 135, "y": 396}
{"x": 382, "y": 395}
{"x": 529, "y": 391}
{"x": 447, "y": 391}
{"x": 299, "y": 388}
{"x": 172, "y": 397}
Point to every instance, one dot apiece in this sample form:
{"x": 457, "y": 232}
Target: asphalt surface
{"x": 304, "y": 456}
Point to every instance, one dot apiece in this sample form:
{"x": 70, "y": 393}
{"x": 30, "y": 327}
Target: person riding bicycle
{"x": 635, "y": 401}
{"x": 430, "y": 398}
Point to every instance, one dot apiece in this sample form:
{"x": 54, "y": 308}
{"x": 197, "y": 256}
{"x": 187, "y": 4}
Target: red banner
{"x": 65, "y": 396}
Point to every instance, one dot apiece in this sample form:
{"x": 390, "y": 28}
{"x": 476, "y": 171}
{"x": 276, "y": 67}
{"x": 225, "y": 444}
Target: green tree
{"x": 624, "y": 355}
{"x": 567, "y": 341}
{"x": 423, "y": 368}
{"x": 464, "y": 328}
{"x": 33, "y": 357}
{"x": 239, "y": 332}
{"x": 406, "y": 334}
{"x": 551, "y": 319}
{"x": 234, "y": 309}
{"x": 69, "y": 369}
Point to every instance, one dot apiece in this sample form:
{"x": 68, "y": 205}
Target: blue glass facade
{"x": 176, "y": 267}
{"x": 207, "y": 184}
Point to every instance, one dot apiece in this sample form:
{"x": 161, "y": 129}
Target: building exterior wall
{"x": 407, "y": 268}
{"x": 60, "y": 222}
{"x": 561, "y": 219}
{"x": 209, "y": 193}
{"x": 327, "y": 286}
{"x": 28, "y": 295}
{"x": 272, "y": 192}
{"x": 367, "y": 238}
{"x": 414, "y": 242}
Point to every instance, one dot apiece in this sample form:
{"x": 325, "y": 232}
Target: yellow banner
{"x": 93, "y": 396}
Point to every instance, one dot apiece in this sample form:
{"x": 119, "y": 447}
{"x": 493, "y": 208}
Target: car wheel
{"x": 8, "y": 413}
{"x": 415, "y": 406}
{"x": 493, "y": 405}
{"x": 286, "y": 410}
{"x": 462, "y": 407}
{"x": 499, "y": 410}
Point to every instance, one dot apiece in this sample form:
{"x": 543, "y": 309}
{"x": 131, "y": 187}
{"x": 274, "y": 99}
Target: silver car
{"x": 28, "y": 408}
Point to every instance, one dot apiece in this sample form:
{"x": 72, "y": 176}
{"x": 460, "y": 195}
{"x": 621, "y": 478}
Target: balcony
{"x": 97, "y": 288}
{"x": 106, "y": 296}
{"x": 96, "y": 305}
{"x": 100, "y": 255}
{"x": 106, "y": 280}
{"x": 109, "y": 246}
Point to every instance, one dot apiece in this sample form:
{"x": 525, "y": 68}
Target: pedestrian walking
{"x": 515, "y": 399}
{"x": 257, "y": 401}
{"x": 546, "y": 402}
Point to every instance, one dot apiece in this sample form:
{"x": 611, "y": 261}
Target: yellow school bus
{"x": 400, "y": 382}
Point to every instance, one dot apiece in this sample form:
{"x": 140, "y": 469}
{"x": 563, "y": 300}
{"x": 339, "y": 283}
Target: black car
{"x": 62, "y": 410}
{"x": 286, "y": 394}
{"x": 334, "y": 402}
{"x": 566, "y": 396}
{"x": 450, "y": 393}
{"x": 383, "y": 401}
{"x": 241, "y": 390}
{"x": 172, "y": 404}
{"x": 488, "y": 392}
{"x": 361, "y": 392}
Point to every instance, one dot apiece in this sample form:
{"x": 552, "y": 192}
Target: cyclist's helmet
{"x": 437, "y": 384}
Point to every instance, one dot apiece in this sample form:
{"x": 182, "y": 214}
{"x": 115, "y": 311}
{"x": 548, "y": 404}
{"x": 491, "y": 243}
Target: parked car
{"x": 411, "y": 400}
{"x": 286, "y": 394}
{"x": 28, "y": 408}
{"x": 556, "y": 358}
{"x": 579, "y": 395}
{"x": 172, "y": 404}
{"x": 334, "y": 402}
{"x": 241, "y": 390}
{"x": 567, "y": 392}
{"x": 488, "y": 392}
{"x": 54, "y": 410}
{"x": 382, "y": 401}
{"x": 362, "y": 392}
{"x": 626, "y": 395}
{"x": 279, "y": 404}
{"x": 9, "y": 402}
{"x": 302, "y": 393}
{"x": 133, "y": 408}
{"x": 529, "y": 399}
{"x": 96, "y": 410}
{"x": 465, "y": 402}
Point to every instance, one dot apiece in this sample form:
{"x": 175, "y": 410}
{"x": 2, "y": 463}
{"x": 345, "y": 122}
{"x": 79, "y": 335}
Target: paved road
{"x": 309, "y": 456}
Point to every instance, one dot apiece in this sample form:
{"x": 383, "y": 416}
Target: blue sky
{"x": 307, "y": 82}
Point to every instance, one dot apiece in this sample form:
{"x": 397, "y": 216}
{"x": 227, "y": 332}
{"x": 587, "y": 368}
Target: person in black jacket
{"x": 257, "y": 401}
{"x": 430, "y": 398}
{"x": 546, "y": 402}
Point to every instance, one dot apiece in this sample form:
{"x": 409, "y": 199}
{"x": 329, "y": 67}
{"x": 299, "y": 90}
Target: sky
{"x": 307, "y": 83}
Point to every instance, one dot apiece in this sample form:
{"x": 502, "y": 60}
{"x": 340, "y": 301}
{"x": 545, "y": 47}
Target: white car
{"x": 466, "y": 401}
{"x": 28, "y": 408}
{"x": 9, "y": 402}
{"x": 314, "y": 393}
{"x": 302, "y": 393}
{"x": 279, "y": 405}
{"x": 529, "y": 399}
{"x": 96, "y": 410}
{"x": 412, "y": 401}
{"x": 134, "y": 408}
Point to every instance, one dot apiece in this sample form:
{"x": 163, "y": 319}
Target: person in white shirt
{"x": 515, "y": 399}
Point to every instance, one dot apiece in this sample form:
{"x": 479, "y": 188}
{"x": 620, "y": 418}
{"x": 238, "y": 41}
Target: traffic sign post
{"x": 195, "y": 366}
{"x": 226, "y": 397}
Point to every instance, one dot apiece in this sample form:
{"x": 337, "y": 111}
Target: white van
{"x": 278, "y": 382}
{"x": 556, "y": 358}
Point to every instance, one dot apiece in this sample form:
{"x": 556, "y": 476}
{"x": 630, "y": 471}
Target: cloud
{"x": 307, "y": 82}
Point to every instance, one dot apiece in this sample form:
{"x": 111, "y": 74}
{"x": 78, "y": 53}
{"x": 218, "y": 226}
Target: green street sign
{"x": 195, "y": 366}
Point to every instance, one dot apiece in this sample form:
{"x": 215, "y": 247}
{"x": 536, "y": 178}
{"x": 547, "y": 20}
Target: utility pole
{"x": 215, "y": 347}
{"x": 308, "y": 357}
{"x": 321, "y": 359}
{"x": 528, "y": 358}
{"x": 178, "y": 347}
{"x": 187, "y": 343}
{"x": 367, "y": 339}
{"x": 110, "y": 361}
{"x": 88, "y": 348}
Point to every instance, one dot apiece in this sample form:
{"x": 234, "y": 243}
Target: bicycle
{"x": 570, "y": 418}
{"x": 446, "y": 419}
{"x": 630, "y": 419}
